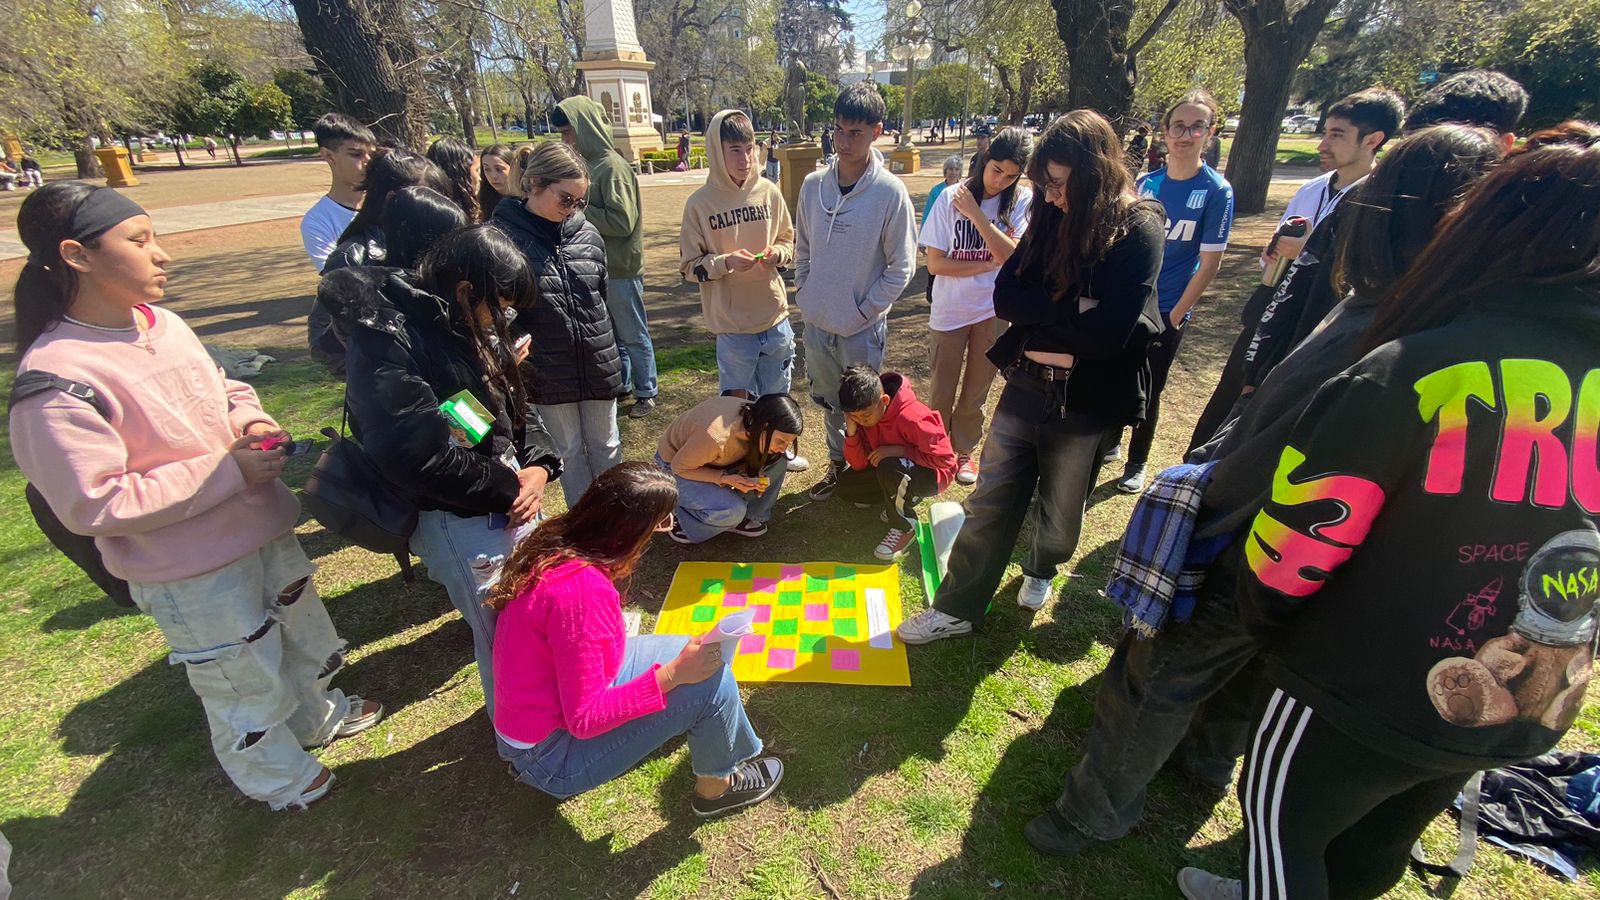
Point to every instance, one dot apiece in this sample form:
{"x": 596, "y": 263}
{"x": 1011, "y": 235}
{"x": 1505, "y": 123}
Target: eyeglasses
{"x": 1178, "y": 131}
{"x": 570, "y": 202}
{"x": 666, "y": 525}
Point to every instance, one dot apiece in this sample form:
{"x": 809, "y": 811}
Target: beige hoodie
{"x": 722, "y": 218}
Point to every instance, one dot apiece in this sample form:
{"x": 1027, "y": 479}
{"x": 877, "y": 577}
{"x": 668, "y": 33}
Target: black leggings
{"x": 1327, "y": 816}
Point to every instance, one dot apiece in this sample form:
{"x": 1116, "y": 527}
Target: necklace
{"x": 138, "y": 326}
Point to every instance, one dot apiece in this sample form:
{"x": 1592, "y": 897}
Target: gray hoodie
{"x": 864, "y": 245}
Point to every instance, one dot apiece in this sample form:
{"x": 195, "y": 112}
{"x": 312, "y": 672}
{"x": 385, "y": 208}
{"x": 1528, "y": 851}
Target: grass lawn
{"x": 108, "y": 786}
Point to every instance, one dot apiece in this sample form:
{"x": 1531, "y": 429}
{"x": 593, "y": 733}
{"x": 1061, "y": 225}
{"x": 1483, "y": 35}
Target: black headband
{"x": 102, "y": 210}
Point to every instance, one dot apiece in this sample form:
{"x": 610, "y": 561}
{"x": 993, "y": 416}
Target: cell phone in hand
{"x": 521, "y": 342}
{"x": 299, "y": 448}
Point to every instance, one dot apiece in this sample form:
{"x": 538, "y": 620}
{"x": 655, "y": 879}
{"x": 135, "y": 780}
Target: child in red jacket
{"x": 897, "y": 450}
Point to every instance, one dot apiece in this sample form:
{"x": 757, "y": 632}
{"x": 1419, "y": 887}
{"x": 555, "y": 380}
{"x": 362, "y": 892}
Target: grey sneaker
{"x": 752, "y": 783}
{"x": 932, "y": 625}
{"x": 642, "y": 407}
{"x": 1034, "y": 593}
{"x": 1132, "y": 481}
{"x": 1198, "y": 884}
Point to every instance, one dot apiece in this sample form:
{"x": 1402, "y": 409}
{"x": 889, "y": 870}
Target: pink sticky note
{"x": 846, "y": 660}
{"x": 780, "y": 659}
{"x": 790, "y": 573}
{"x": 816, "y": 612}
{"x": 734, "y": 598}
{"x": 763, "y": 613}
{"x": 752, "y": 643}
{"x": 758, "y": 585}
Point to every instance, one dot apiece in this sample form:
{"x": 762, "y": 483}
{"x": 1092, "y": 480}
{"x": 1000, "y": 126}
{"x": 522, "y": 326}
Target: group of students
{"x": 1414, "y": 432}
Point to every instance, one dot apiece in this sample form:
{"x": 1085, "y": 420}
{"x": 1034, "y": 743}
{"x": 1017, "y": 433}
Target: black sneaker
{"x": 642, "y": 407}
{"x": 677, "y": 534}
{"x": 750, "y": 529}
{"x": 1050, "y": 833}
{"x": 753, "y": 782}
{"x": 824, "y": 489}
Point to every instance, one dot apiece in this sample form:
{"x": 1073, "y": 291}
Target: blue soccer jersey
{"x": 1199, "y": 216}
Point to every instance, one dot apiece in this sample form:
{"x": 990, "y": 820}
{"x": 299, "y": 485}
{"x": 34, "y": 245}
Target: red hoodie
{"x": 909, "y": 423}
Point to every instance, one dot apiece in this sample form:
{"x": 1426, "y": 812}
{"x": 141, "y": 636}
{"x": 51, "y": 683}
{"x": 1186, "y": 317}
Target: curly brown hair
{"x": 609, "y": 527}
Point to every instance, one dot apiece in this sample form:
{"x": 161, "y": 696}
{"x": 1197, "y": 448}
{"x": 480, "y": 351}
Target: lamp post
{"x": 912, "y": 45}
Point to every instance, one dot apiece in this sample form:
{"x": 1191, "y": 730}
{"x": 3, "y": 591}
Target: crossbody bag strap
{"x": 36, "y": 381}
{"x": 1471, "y": 799}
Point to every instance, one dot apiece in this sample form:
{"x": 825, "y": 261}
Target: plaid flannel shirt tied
{"x": 1155, "y": 575}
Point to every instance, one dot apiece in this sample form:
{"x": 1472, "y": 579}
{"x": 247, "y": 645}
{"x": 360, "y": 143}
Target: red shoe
{"x": 966, "y": 470}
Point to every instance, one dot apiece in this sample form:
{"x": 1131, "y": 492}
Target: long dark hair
{"x": 1394, "y": 212}
{"x": 764, "y": 417}
{"x": 488, "y": 197}
{"x": 389, "y": 170}
{"x": 1010, "y": 145}
{"x": 47, "y": 285}
{"x": 1529, "y": 222}
{"x": 1059, "y": 248}
{"x": 454, "y": 158}
{"x": 413, "y": 220}
{"x": 493, "y": 267}
{"x": 609, "y": 527}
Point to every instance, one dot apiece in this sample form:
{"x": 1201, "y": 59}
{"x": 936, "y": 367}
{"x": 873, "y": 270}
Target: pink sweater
{"x": 153, "y": 484}
{"x": 557, "y": 650}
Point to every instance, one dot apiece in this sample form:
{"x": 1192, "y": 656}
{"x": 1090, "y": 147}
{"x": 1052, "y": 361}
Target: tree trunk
{"x": 1274, "y": 46}
{"x": 1095, "y": 33}
{"x": 366, "y": 54}
{"x": 233, "y": 141}
{"x": 177, "y": 149}
{"x": 462, "y": 98}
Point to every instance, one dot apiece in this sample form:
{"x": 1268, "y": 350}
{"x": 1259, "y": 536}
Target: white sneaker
{"x": 1034, "y": 592}
{"x": 932, "y": 625}
{"x": 798, "y": 463}
{"x": 1198, "y": 884}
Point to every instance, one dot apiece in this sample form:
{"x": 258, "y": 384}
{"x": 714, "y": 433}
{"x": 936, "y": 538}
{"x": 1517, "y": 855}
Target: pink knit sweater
{"x": 153, "y": 484}
{"x": 557, "y": 650}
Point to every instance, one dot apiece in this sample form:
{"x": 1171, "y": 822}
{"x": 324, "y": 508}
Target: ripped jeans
{"x": 259, "y": 650}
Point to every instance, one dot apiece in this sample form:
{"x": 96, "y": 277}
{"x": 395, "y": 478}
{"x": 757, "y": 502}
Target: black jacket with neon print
{"x": 1426, "y": 573}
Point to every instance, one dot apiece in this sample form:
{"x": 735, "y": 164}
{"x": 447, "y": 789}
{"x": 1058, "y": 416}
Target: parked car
{"x": 1230, "y": 125}
{"x": 1300, "y": 124}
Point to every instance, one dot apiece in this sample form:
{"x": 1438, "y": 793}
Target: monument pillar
{"x": 616, "y": 75}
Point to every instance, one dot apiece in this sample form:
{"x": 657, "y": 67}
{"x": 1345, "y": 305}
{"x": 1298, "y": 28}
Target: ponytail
{"x": 47, "y": 285}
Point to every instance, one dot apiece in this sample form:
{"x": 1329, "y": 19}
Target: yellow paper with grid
{"x": 820, "y": 622}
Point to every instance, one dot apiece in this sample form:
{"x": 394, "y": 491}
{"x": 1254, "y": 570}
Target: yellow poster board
{"x": 818, "y": 622}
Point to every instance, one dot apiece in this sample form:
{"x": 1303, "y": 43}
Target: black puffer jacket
{"x": 324, "y": 339}
{"x": 404, "y": 356}
{"x": 574, "y": 354}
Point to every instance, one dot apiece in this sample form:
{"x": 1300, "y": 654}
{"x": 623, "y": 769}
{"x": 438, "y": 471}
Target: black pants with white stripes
{"x": 1327, "y": 816}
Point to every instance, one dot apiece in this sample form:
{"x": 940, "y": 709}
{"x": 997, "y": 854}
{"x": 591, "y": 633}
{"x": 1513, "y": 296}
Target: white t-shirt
{"x": 1315, "y": 199}
{"x": 321, "y": 227}
{"x": 968, "y": 299}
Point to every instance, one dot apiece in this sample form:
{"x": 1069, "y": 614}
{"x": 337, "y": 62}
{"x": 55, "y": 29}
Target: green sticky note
{"x": 844, "y": 627}
{"x": 813, "y": 583}
{"x": 704, "y": 614}
{"x": 711, "y": 586}
{"x": 786, "y": 626}
{"x": 789, "y": 598}
{"x": 813, "y": 643}
{"x": 844, "y": 572}
{"x": 844, "y": 599}
{"x": 745, "y": 572}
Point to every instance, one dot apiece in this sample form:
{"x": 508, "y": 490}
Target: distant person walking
{"x": 211, "y": 147}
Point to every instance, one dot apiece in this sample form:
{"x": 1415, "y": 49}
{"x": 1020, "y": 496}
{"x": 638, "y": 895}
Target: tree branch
{"x": 1154, "y": 27}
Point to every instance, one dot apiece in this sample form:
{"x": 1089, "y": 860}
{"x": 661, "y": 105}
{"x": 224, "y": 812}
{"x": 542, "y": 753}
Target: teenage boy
{"x": 345, "y": 145}
{"x": 1199, "y": 207}
{"x": 855, "y": 251}
{"x": 1482, "y": 98}
{"x": 1353, "y": 131}
{"x": 614, "y": 211}
{"x": 897, "y": 450}
{"x": 735, "y": 242}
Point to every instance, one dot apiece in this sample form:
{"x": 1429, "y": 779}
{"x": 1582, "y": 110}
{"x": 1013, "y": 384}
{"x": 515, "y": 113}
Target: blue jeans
{"x": 710, "y": 712}
{"x": 586, "y": 438}
{"x": 759, "y": 364}
{"x": 448, "y": 544}
{"x": 625, "y": 302}
{"x": 707, "y": 510}
{"x": 827, "y": 356}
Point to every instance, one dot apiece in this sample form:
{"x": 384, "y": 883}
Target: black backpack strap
{"x": 1471, "y": 797}
{"x": 36, "y": 381}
